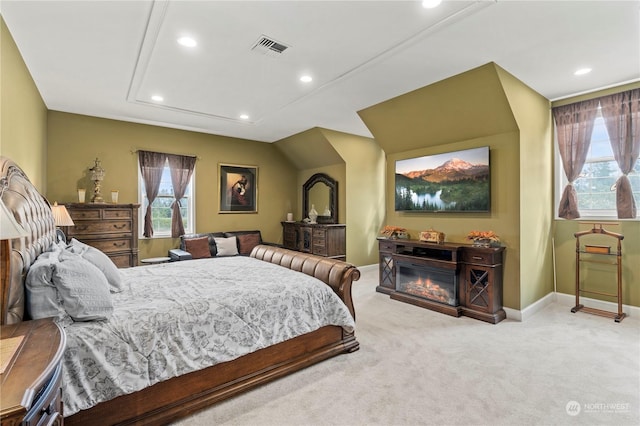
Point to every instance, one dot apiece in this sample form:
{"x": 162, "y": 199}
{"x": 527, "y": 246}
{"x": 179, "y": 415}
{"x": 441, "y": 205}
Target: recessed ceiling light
{"x": 430, "y": 4}
{"x": 306, "y": 79}
{"x": 157, "y": 98}
{"x": 582, "y": 71}
{"x": 244, "y": 116}
{"x": 187, "y": 41}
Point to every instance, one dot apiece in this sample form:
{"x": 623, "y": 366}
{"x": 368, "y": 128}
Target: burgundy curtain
{"x": 181, "y": 167}
{"x": 574, "y": 124}
{"x": 151, "y": 166}
{"x": 621, "y": 112}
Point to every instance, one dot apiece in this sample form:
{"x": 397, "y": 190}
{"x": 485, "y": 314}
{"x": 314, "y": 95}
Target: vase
{"x": 313, "y": 214}
{"x": 482, "y": 242}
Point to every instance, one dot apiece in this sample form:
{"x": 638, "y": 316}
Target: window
{"x": 595, "y": 186}
{"x": 161, "y": 206}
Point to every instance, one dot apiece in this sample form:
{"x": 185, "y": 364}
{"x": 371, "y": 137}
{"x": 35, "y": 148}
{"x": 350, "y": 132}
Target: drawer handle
{"x": 121, "y": 244}
{"x": 477, "y": 257}
{"x": 81, "y": 228}
{"x": 120, "y": 226}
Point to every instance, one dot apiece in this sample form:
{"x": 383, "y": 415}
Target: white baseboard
{"x": 563, "y": 299}
{"x": 369, "y": 267}
{"x": 568, "y": 300}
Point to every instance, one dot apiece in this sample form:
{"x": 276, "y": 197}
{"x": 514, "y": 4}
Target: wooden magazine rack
{"x": 587, "y": 254}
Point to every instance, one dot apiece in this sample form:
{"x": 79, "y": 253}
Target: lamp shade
{"x": 61, "y": 215}
{"x": 9, "y": 228}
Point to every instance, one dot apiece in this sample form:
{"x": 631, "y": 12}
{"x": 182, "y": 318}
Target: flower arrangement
{"x": 393, "y": 232}
{"x": 484, "y": 238}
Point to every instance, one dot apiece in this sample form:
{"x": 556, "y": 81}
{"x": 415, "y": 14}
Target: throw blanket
{"x": 179, "y": 317}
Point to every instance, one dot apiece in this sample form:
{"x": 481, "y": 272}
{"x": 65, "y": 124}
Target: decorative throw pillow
{"x": 100, "y": 261}
{"x": 227, "y": 246}
{"x": 83, "y": 288}
{"x": 198, "y": 247}
{"x": 42, "y": 299}
{"x": 247, "y": 242}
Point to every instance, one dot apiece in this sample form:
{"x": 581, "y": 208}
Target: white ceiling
{"x": 106, "y": 58}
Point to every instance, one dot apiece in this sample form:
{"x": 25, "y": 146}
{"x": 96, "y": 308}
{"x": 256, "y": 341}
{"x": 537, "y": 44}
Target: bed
{"x": 178, "y": 388}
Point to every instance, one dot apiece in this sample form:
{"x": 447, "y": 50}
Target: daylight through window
{"x": 161, "y": 206}
{"x": 595, "y": 186}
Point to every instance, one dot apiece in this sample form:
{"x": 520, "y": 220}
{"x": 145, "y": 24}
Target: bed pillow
{"x": 227, "y": 246}
{"x": 246, "y": 242}
{"x": 42, "y": 299}
{"x": 198, "y": 247}
{"x": 83, "y": 288}
{"x": 99, "y": 260}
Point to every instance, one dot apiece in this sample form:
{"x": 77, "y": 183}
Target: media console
{"x": 454, "y": 279}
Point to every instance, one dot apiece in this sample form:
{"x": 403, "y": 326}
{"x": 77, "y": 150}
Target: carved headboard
{"x": 33, "y": 212}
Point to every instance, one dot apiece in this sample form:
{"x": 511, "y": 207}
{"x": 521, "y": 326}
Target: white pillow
{"x": 42, "y": 298}
{"x": 226, "y": 246}
{"x": 101, "y": 261}
{"x": 83, "y": 288}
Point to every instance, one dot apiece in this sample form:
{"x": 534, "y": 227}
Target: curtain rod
{"x": 169, "y": 153}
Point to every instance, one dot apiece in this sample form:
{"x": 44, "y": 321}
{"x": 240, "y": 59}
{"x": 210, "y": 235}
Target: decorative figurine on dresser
{"x": 317, "y": 234}
{"x": 112, "y": 228}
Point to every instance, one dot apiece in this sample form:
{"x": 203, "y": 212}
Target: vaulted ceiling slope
{"x": 108, "y": 58}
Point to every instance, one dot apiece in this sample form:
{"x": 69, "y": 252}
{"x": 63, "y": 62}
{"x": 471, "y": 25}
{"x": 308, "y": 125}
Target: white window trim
{"x": 143, "y": 209}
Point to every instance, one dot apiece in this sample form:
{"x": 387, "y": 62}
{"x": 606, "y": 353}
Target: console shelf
{"x": 477, "y": 272}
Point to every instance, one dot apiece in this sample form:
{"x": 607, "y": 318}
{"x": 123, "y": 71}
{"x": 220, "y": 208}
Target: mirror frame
{"x": 333, "y": 197}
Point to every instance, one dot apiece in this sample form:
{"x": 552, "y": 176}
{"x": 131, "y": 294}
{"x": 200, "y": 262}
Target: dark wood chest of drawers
{"x": 328, "y": 240}
{"x": 111, "y": 228}
{"x": 30, "y": 390}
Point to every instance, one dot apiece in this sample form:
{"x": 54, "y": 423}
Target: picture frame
{"x": 238, "y": 188}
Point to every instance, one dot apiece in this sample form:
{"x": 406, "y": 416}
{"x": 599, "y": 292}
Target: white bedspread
{"x": 184, "y": 316}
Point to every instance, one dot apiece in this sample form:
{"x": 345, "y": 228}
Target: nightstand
{"x": 30, "y": 389}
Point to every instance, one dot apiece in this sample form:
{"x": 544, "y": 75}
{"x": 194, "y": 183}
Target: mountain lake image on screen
{"x": 456, "y": 181}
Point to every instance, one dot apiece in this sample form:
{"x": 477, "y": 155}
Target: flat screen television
{"x": 456, "y": 181}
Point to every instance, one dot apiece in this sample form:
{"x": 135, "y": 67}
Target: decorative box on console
{"x": 432, "y": 236}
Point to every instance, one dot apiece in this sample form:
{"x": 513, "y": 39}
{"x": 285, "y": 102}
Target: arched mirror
{"x": 321, "y": 191}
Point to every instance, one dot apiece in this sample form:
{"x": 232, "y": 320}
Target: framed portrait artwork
{"x": 238, "y": 188}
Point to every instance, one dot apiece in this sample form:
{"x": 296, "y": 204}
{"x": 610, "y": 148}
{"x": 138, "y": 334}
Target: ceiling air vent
{"x": 268, "y": 46}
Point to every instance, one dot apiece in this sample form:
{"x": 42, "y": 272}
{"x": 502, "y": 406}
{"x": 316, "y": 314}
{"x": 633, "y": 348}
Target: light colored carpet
{"x": 419, "y": 367}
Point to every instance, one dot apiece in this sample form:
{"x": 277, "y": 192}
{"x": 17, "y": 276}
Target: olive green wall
{"x": 357, "y": 163}
{"x": 533, "y": 116}
{"x": 364, "y": 189}
{"x": 23, "y": 114}
{"x": 76, "y": 140}
{"x": 503, "y": 219}
{"x": 600, "y": 278}
{"x": 465, "y": 111}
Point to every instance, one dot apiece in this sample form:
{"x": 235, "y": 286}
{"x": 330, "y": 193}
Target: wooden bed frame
{"x": 180, "y": 396}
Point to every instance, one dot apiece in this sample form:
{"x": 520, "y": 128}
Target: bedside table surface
{"x": 152, "y": 260}
{"x": 32, "y": 366}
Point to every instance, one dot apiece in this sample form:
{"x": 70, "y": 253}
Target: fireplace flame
{"x": 426, "y": 288}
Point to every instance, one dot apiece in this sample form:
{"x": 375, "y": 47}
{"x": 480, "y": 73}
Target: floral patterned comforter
{"x": 179, "y": 317}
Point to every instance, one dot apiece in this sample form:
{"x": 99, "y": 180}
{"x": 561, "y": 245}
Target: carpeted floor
{"x": 419, "y": 367}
